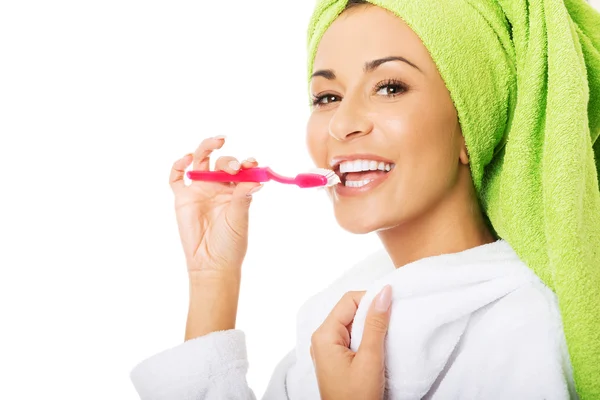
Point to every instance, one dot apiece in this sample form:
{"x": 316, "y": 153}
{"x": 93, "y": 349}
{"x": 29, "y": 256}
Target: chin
{"x": 366, "y": 218}
{"x": 358, "y": 224}
{"x": 361, "y": 216}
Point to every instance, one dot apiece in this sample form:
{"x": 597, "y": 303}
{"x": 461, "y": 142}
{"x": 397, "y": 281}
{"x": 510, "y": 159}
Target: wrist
{"x": 203, "y": 278}
{"x": 213, "y": 303}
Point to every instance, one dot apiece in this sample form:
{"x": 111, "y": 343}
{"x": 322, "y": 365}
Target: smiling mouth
{"x": 359, "y": 173}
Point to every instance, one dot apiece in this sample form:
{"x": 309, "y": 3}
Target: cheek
{"x": 407, "y": 136}
{"x": 423, "y": 139}
{"x": 430, "y": 150}
{"x": 316, "y": 139}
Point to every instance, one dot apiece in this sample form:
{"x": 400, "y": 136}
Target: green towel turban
{"x": 531, "y": 124}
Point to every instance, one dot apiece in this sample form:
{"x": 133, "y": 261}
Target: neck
{"x": 456, "y": 224}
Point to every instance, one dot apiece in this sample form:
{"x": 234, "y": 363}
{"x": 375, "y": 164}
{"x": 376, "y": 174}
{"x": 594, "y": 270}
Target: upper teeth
{"x": 363, "y": 165}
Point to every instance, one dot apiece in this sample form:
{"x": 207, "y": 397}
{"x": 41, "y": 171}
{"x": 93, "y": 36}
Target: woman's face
{"x": 388, "y": 127}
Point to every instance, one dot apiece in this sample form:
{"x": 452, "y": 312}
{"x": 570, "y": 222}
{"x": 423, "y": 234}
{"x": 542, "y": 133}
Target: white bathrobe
{"x": 471, "y": 325}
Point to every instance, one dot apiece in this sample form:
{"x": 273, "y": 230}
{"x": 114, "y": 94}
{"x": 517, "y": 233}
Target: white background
{"x": 97, "y": 99}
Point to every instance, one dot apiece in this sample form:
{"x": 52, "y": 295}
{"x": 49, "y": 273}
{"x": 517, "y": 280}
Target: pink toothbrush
{"x": 319, "y": 178}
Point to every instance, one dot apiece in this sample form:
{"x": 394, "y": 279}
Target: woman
{"x": 487, "y": 116}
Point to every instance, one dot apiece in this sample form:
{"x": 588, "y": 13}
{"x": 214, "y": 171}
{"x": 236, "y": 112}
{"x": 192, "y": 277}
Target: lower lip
{"x": 348, "y": 191}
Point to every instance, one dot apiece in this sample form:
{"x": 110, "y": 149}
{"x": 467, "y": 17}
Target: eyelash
{"x": 316, "y": 100}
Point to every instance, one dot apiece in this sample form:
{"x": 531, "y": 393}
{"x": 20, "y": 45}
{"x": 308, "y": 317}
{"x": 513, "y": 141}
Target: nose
{"x": 350, "y": 120}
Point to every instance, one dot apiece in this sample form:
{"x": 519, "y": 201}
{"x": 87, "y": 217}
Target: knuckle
{"x": 244, "y": 201}
{"x": 376, "y": 324}
{"x": 351, "y": 297}
{"x": 223, "y": 162}
{"x": 353, "y": 294}
{"x": 348, "y": 296}
{"x": 201, "y": 149}
{"x": 314, "y": 338}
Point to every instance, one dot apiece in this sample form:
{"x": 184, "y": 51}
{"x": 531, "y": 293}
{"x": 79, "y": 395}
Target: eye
{"x": 390, "y": 88}
{"x": 325, "y": 99}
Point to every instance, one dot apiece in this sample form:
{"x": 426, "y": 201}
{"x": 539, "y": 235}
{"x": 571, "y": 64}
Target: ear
{"x": 463, "y": 155}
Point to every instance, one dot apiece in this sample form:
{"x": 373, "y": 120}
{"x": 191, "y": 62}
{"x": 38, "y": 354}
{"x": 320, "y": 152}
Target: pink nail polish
{"x": 384, "y": 299}
{"x": 254, "y": 190}
{"x": 220, "y": 137}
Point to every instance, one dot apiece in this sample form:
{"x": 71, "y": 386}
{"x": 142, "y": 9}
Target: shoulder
{"x": 528, "y": 315}
{"x": 532, "y": 306}
{"x": 512, "y": 348}
{"x": 526, "y": 346}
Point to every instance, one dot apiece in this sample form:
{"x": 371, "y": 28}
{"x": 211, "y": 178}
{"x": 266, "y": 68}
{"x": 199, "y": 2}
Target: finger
{"x": 202, "y": 153}
{"x": 371, "y": 351}
{"x": 345, "y": 310}
{"x": 228, "y": 164}
{"x": 334, "y": 329}
{"x": 178, "y": 170}
{"x": 249, "y": 163}
{"x": 239, "y": 208}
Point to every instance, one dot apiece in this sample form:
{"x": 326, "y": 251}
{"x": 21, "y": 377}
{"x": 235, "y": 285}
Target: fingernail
{"x": 384, "y": 299}
{"x": 254, "y": 190}
{"x": 234, "y": 165}
{"x": 220, "y": 137}
{"x": 251, "y": 159}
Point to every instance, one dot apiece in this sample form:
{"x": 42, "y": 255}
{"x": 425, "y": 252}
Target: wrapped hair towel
{"x": 531, "y": 122}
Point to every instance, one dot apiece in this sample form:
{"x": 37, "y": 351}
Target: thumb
{"x": 372, "y": 345}
{"x": 237, "y": 213}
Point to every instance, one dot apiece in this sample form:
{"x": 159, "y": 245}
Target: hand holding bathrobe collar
{"x": 341, "y": 372}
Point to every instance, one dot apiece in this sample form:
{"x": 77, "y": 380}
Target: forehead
{"x": 365, "y": 33}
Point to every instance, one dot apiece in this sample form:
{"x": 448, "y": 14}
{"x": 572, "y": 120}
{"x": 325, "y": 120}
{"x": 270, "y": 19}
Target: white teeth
{"x": 357, "y": 184}
{"x": 363, "y": 165}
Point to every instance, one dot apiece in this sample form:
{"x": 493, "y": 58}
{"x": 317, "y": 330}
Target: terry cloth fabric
{"x": 531, "y": 123}
{"x": 477, "y": 324}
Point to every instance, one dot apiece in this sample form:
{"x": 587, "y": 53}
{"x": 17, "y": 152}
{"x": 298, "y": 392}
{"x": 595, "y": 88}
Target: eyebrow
{"x": 369, "y": 67}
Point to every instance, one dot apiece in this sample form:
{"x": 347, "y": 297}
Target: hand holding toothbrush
{"x": 212, "y": 213}
{"x": 213, "y": 227}
{"x": 212, "y": 216}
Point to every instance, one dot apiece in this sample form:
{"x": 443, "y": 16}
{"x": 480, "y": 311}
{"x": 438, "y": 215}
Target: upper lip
{"x": 335, "y": 162}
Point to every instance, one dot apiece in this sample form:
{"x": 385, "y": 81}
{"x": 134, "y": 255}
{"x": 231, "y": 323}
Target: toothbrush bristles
{"x": 332, "y": 177}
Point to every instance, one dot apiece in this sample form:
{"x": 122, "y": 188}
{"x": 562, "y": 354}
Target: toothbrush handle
{"x": 257, "y": 174}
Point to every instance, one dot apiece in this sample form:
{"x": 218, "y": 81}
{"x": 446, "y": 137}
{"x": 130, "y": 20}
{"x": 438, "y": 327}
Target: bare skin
{"x": 342, "y": 373}
{"x": 213, "y": 227}
{"x": 425, "y": 206}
